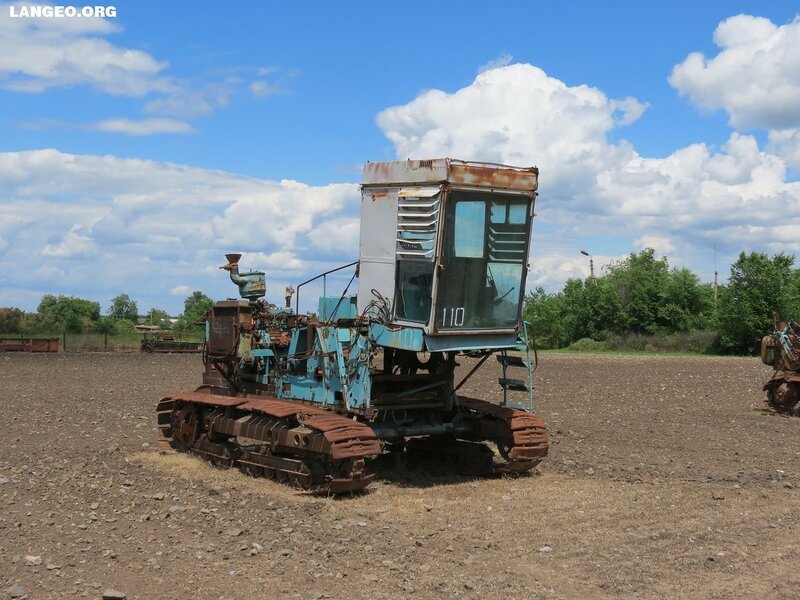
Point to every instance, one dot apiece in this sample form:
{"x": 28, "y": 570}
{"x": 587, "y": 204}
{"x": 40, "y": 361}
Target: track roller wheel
{"x": 504, "y": 450}
{"x": 301, "y": 481}
{"x": 251, "y": 470}
{"x": 185, "y": 426}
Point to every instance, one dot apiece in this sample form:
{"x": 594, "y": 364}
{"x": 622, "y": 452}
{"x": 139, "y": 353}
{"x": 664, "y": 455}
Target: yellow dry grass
{"x": 198, "y": 471}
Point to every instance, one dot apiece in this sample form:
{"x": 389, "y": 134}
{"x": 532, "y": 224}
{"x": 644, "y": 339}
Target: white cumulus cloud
{"x": 142, "y": 127}
{"x": 9, "y": 228}
{"x": 181, "y": 290}
{"x": 661, "y": 244}
{"x": 501, "y": 61}
{"x": 260, "y": 89}
{"x": 515, "y": 115}
{"x": 755, "y": 77}
{"x": 692, "y": 199}
{"x": 786, "y": 143}
{"x": 102, "y": 225}
{"x": 41, "y": 53}
{"x": 74, "y": 243}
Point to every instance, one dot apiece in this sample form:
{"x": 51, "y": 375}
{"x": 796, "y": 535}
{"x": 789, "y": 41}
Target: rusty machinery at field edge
{"x": 781, "y": 351}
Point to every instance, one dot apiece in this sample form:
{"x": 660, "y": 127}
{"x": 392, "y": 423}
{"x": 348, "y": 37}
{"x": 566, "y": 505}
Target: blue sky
{"x": 177, "y": 131}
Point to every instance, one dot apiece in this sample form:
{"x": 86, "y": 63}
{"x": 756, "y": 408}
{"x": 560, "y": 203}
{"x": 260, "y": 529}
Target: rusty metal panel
{"x": 406, "y": 171}
{"x": 419, "y": 192}
{"x": 29, "y": 345}
{"x": 493, "y": 176}
{"x": 272, "y": 406}
{"x": 452, "y": 171}
{"x": 42, "y": 345}
{"x": 204, "y": 398}
{"x": 229, "y": 319}
{"x": 12, "y": 345}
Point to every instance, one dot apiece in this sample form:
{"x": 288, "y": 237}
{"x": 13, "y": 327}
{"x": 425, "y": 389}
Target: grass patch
{"x": 588, "y": 345}
{"x": 689, "y": 342}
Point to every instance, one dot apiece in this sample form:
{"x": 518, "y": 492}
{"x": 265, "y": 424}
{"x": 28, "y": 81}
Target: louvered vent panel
{"x": 507, "y": 242}
{"x": 417, "y": 223}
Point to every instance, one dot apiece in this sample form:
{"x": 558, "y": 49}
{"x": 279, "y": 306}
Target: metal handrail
{"x": 531, "y": 366}
{"x": 324, "y": 283}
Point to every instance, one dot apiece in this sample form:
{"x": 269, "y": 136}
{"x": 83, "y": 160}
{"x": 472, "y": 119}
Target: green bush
{"x": 588, "y": 345}
{"x": 689, "y": 342}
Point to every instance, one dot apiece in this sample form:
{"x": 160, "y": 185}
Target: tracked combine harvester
{"x": 781, "y": 351}
{"x": 309, "y": 399}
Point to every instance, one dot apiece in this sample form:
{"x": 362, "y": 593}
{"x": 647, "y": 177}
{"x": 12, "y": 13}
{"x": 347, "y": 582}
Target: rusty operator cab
{"x": 445, "y": 244}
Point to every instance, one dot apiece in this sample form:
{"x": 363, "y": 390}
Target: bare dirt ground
{"x": 665, "y": 479}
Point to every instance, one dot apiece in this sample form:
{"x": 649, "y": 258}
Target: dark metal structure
{"x": 165, "y": 342}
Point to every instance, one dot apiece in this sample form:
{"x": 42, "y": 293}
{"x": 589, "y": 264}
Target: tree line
{"x": 641, "y": 297}
{"x": 70, "y": 314}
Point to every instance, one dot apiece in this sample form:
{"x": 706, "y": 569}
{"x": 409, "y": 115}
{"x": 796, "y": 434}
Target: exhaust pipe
{"x": 252, "y": 285}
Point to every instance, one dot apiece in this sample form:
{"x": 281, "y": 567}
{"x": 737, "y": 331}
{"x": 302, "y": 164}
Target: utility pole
{"x": 591, "y": 264}
{"x": 716, "y": 274}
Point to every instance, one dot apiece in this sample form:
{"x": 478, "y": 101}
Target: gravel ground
{"x": 666, "y": 478}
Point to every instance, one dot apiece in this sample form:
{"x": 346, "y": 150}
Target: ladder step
{"x": 512, "y": 360}
{"x": 517, "y": 405}
{"x": 516, "y": 385}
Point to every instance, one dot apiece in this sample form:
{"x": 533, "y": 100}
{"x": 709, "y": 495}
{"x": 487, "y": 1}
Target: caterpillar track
{"x": 313, "y": 449}
{"x": 521, "y": 437}
{"x": 321, "y": 452}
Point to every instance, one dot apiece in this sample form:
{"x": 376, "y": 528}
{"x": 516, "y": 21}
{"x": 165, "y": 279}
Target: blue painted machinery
{"x": 310, "y": 398}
